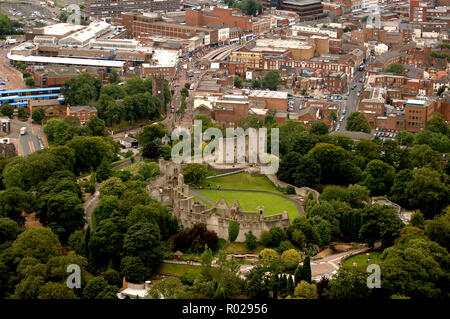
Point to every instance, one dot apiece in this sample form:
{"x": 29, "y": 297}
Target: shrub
{"x": 188, "y": 277}
{"x": 284, "y": 245}
{"x": 250, "y": 240}
{"x": 233, "y": 230}
{"x": 268, "y": 256}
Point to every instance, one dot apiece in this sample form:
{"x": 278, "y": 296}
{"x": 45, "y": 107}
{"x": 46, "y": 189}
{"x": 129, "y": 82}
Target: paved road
{"x": 353, "y": 99}
{"x": 90, "y": 205}
{"x": 28, "y": 143}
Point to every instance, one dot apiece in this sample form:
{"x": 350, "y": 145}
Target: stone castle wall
{"x": 170, "y": 190}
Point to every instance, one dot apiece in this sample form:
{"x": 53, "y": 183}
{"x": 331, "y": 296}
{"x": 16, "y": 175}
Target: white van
{"x": 23, "y": 130}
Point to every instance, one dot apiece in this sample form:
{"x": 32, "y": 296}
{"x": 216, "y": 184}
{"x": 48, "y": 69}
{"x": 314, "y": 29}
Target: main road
{"x": 353, "y": 98}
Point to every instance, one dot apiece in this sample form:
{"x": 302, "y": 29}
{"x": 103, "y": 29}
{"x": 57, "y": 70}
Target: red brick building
{"x": 82, "y": 112}
{"x": 226, "y": 16}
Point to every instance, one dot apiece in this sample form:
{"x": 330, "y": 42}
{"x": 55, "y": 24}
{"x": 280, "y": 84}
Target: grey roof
{"x": 83, "y": 108}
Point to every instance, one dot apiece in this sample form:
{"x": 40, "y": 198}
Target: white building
{"x": 83, "y": 37}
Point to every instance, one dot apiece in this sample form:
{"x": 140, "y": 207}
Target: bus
{"x": 23, "y": 100}
{"x": 27, "y": 92}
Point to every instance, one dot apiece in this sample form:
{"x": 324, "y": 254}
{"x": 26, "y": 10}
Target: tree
{"x": 7, "y": 110}
{"x": 148, "y": 171}
{"x": 98, "y": 288}
{"x": 271, "y": 79}
{"x": 255, "y": 284}
{"x": 9, "y": 229}
{"x": 56, "y": 290}
{"x": 114, "y": 77}
{"x": 256, "y": 84}
{"x": 307, "y": 269}
{"x": 237, "y": 82}
{"x": 427, "y": 192}
{"x": 29, "y": 82}
{"x": 438, "y": 229}
{"x": 151, "y": 151}
{"x": 90, "y": 151}
{"x": 335, "y": 163}
{"x": 405, "y": 138}
{"x": 358, "y": 195}
{"x": 76, "y": 241}
{"x": 233, "y": 230}
{"x": 167, "y": 288}
{"x": 357, "y": 122}
{"x": 103, "y": 171}
{"x": 306, "y": 290}
{"x": 441, "y": 90}
{"x": 249, "y": 7}
{"x": 133, "y": 269}
{"x": 13, "y": 202}
{"x": 112, "y": 277}
{"x": 38, "y": 242}
{"x": 350, "y": 283}
{"x": 59, "y": 204}
{"x": 29, "y": 287}
{"x": 379, "y": 223}
{"x": 151, "y": 132}
{"x": 96, "y": 126}
{"x": 144, "y": 240}
{"x": 319, "y": 128}
{"x": 291, "y": 255}
{"x": 194, "y": 172}
{"x": 112, "y": 186}
{"x": 21, "y": 113}
{"x": 437, "y": 124}
{"x": 395, "y": 68}
{"x": 378, "y": 177}
{"x": 267, "y": 256}
{"x": 81, "y": 89}
{"x": 106, "y": 208}
{"x": 250, "y": 240}
{"x": 106, "y": 243}
{"x": 415, "y": 266}
{"x": 417, "y": 219}
{"x": 109, "y": 93}
{"x": 277, "y": 236}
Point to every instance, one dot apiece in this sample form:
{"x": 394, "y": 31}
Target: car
{"x": 345, "y": 98}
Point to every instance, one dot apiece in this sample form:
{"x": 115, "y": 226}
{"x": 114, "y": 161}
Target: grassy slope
{"x": 242, "y": 181}
{"x": 249, "y": 202}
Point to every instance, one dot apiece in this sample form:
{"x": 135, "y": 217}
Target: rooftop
{"x": 61, "y": 28}
{"x": 268, "y": 94}
{"x": 73, "y": 61}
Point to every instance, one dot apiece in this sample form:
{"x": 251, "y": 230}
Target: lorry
{"x": 51, "y": 4}
{"x": 23, "y": 130}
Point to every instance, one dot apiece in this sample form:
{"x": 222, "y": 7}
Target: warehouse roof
{"x": 73, "y": 61}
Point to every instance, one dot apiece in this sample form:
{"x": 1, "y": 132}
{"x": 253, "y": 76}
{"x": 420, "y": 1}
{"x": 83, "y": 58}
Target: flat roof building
{"x": 114, "y": 8}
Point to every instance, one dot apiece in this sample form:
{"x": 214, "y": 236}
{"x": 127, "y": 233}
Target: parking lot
{"x": 384, "y": 133}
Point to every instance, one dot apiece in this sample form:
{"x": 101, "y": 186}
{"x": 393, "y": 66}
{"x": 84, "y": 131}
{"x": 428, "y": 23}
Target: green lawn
{"x": 273, "y": 204}
{"x": 361, "y": 259}
{"x": 177, "y": 269}
{"x": 240, "y": 248}
{"x": 242, "y": 181}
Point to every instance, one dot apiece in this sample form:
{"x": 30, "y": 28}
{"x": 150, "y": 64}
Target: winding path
{"x": 195, "y": 192}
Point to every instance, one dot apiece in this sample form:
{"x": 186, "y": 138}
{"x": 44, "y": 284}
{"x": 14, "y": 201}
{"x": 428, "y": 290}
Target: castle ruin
{"x": 169, "y": 189}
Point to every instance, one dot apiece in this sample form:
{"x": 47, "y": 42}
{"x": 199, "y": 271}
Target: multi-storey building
{"x": 229, "y": 17}
{"x": 114, "y": 8}
{"x": 306, "y": 9}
